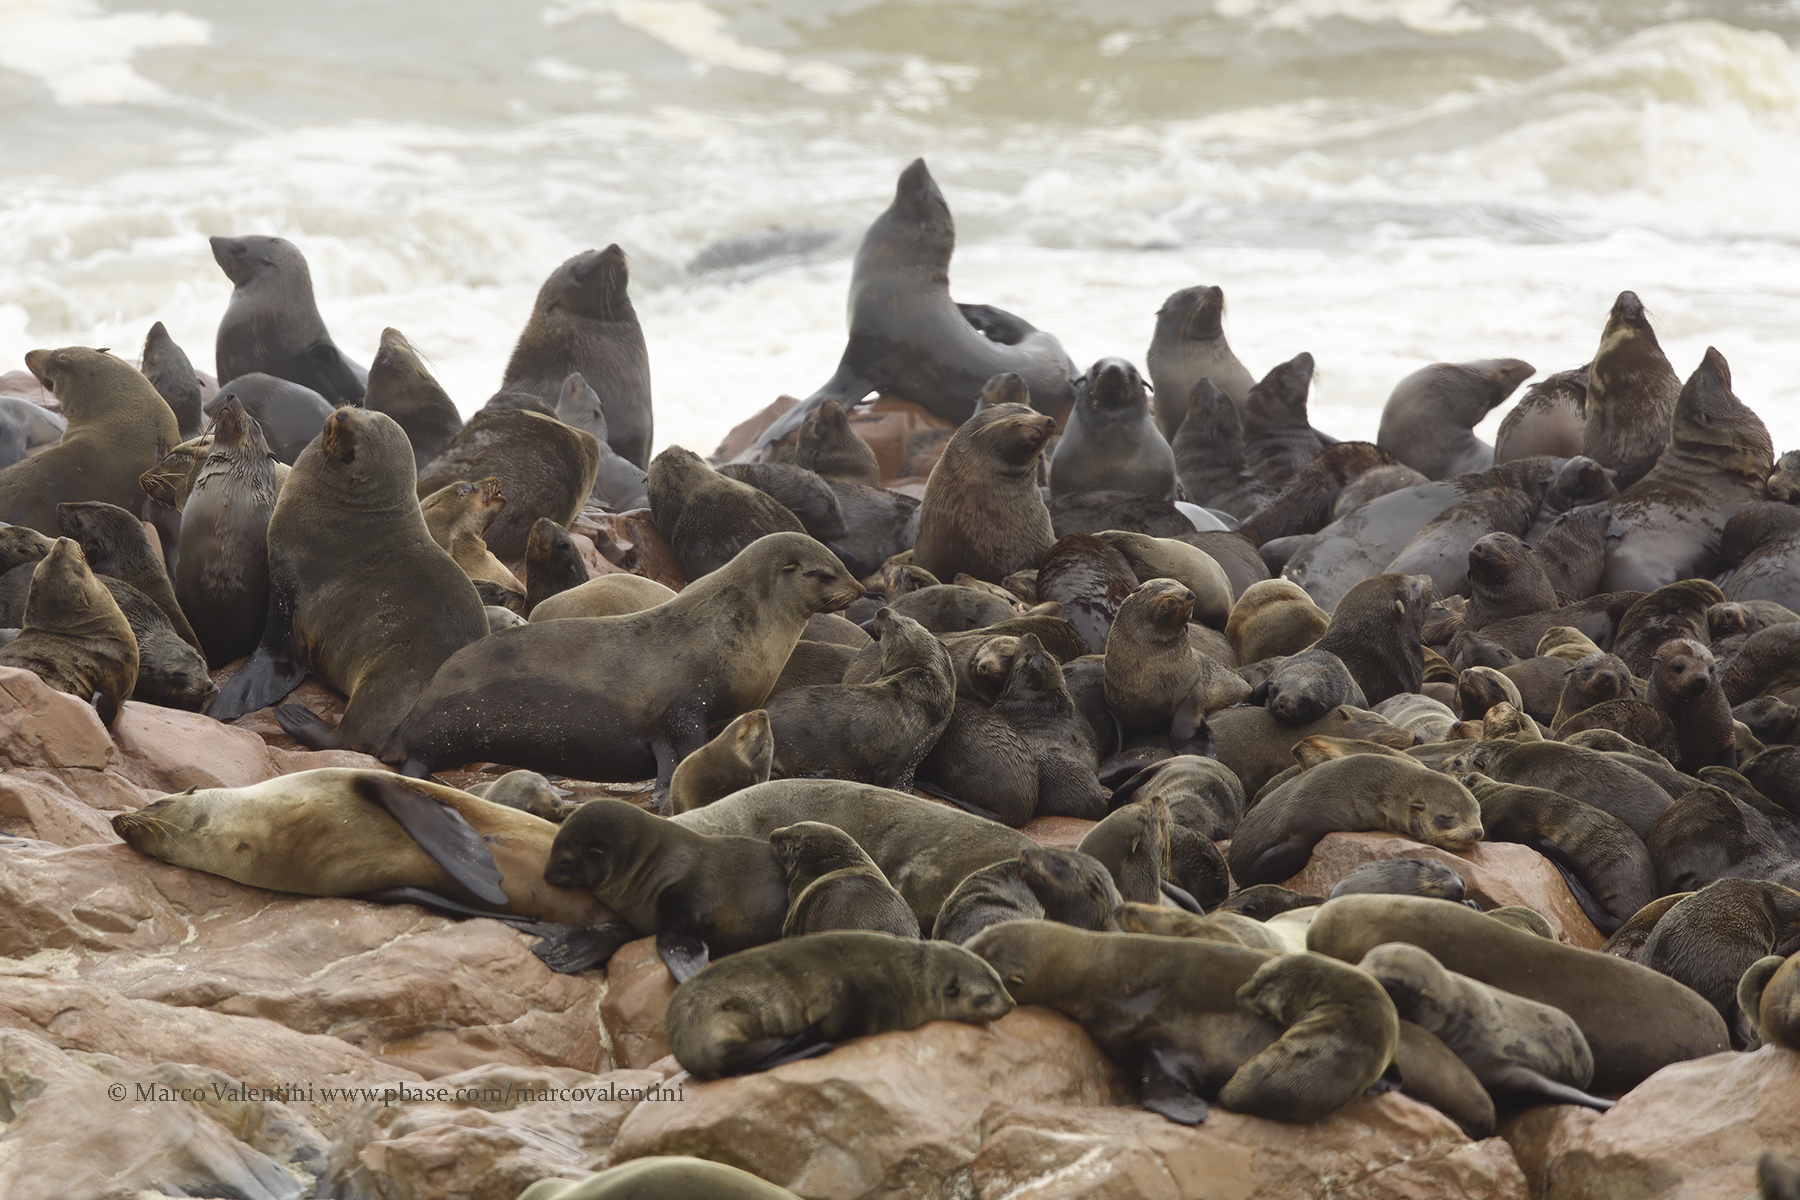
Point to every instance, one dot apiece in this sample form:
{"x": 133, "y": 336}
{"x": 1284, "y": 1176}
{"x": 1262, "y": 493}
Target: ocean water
{"x": 1383, "y": 183}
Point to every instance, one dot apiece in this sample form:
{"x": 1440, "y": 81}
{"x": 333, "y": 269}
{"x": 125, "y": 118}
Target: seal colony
{"x": 851, "y": 708}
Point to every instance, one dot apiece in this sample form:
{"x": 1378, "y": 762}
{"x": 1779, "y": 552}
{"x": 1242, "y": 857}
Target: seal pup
{"x": 1210, "y": 458}
{"x": 1425, "y": 877}
{"x": 115, "y": 546}
{"x": 1151, "y": 666}
{"x": 775, "y": 1003}
{"x": 741, "y": 756}
{"x": 118, "y": 427}
{"x": 1572, "y": 549}
{"x": 982, "y": 765}
{"x": 346, "y": 516}
{"x": 1189, "y": 345}
{"x": 1718, "y": 459}
{"x": 74, "y": 636}
{"x": 1429, "y": 419}
{"x": 1274, "y": 617}
{"x": 1277, "y": 438}
{"x": 223, "y": 573}
{"x": 834, "y": 884}
{"x": 708, "y": 517}
{"x": 830, "y": 447}
{"x": 553, "y": 563}
{"x": 1111, "y": 438}
{"x": 545, "y": 468}
{"x": 1305, "y": 686}
{"x": 1505, "y": 581}
{"x": 1171, "y": 558}
{"x": 1548, "y": 419}
{"x": 1784, "y": 480}
{"x": 1710, "y": 939}
{"x": 1684, "y": 684}
{"x": 873, "y": 732}
{"x": 457, "y": 515}
{"x": 272, "y": 324}
{"x": 401, "y": 386}
{"x": 1441, "y": 549}
{"x": 1631, "y": 394}
{"x": 619, "y": 483}
{"x": 909, "y": 339}
{"x": 289, "y": 413}
{"x": 583, "y": 321}
{"x": 1202, "y": 793}
{"x": 167, "y": 368}
{"x": 1375, "y": 631}
{"x": 1036, "y": 703}
{"x": 530, "y": 696}
{"x": 1514, "y": 1045}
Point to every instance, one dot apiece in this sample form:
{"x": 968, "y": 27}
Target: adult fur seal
{"x": 1429, "y": 420}
{"x": 909, "y": 339}
{"x": 769, "y": 1004}
{"x": 272, "y": 323}
{"x": 167, "y": 368}
{"x": 114, "y": 544}
{"x": 708, "y": 517}
{"x": 1763, "y": 540}
{"x": 1277, "y": 439}
{"x": 346, "y": 517}
{"x": 118, "y": 427}
{"x": 1067, "y": 886}
{"x": 1037, "y": 704}
{"x": 401, "y": 386}
{"x": 545, "y": 468}
{"x": 75, "y": 638}
{"x": 1111, "y": 440}
{"x": 1305, "y": 686}
{"x": 1635, "y": 1020}
{"x": 1209, "y": 455}
{"x": 582, "y": 320}
{"x": 1631, "y": 394}
{"x": 530, "y": 696}
{"x": 1505, "y": 581}
{"x": 830, "y": 447}
{"x": 1188, "y": 346}
{"x": 1718, "y": 459}
{"x": 222, "y": 576}
{"x": 1364, "y": 791}
{"x": 1708, "y": 940}
{"x": 1548, "y": 419}
{"x": 341, "y": 831}
{"x": 982, "y": 514}
{"x": 742, "y": 756}
{"x": 834, "y": 884}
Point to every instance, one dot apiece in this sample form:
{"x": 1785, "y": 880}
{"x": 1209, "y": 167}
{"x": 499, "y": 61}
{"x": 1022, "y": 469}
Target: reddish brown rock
{"x": 888, "y": 425}
{"x": 1375, "y": 1149}
{"x": 631, "y": 542}
{"x": 39, "y": 806}
{"x": 1692, "y": 1131}
{"x": 1494, "y": 873}
{"x": 895, "y": 1115}
{"x": 638, "y": 987}
{"x": 25, "y": 384}
{"x": 740, "y": 444}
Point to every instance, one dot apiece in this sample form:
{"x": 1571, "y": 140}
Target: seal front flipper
{"x": 1283, "y": 860}
{"x": 774, "y": 1052}
{"x": 1181, "y": 898}
{"x": 273, "y": 671}
{"x": 683, "y": 953}
{"x": 1518, "y": 1079}
{"x": 577, "y": 949}
{"x": 996, "y": 324}
{"x": 1607, "y": 923}
{"x": 440, "y": 831}
{"x": 335, "y": 377}
{"x": 1169, "y": 1082}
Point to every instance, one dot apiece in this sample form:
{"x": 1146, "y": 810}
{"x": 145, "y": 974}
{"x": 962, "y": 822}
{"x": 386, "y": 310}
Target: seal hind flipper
{"x": 683, "y": 953}
{"x": 1519, "y": 1079}
{"x": 1283, "y": 860}
{"x": 441, "y": 832}
{"x": 775, "y": 1052}
{"x": 1169, "y": 1089}
{"x": 306, "y": 727}
{"x": 444, "y": 905}
{"x": 1607, "y": 923}
{"x": 1182, "y": 898}
{"x": 106, "y": 707}
{"x": 576, "y": 949}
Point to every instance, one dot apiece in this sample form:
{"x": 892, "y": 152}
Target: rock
{"x": 638, "y": 987}
{"x": 630, "y": 541}
{"x": 25, "y": 384}
{"x": 597, "y": 563}
{"x": 1386, "y": 1146}
{"x": 740, "y": 444}
{"x": 39, "y": 806}
{"x": 42, "y": 727}
{"x": 1494, "y": 874}
{"x": 888, "y": 425}
{"x": 1692, "y": 1131}
{"x": 893, "y": 1116}
{"x": 494, "y": 1131}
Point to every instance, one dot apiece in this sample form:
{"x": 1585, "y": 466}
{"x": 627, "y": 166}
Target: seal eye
{"x": 952, "y": 990}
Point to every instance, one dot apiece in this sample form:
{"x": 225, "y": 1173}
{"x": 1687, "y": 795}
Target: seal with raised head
{"x": 834, "y": 884}
{"x": 1151, "y": 666}
{"x": 742, "y": 756}
{"x": 74, "y": 636}
{"x": 582, "y": 320}
{"x": 1769, "y": 995}
{"x": 1684, "y": 684}
{"x": 531, "y": 696}
{"x": 401, "y": 386}
{"x": 1375, "y": 630}
{"x": 553, "y": 563}
{"x": 1429, "y": 420}
{"x": 458, "y": 514}
{"x": 1209, "y": 455}
{"x": 1037, "y": 704}
{"x": 619, "y": 483}
{"x": 1505, "y": 580}
{"x": 545, "y": 468}
{"x": 348, "y": 519}
{"x": 118, "y": 427}
{"x": 909, "y": 339}
{"x": 1189, "y": 345}
{"x": 1111, "y": 440}
{"x": 1631, "y": 394}
{"x": 775, "y": 1003}
{"x": 1278, "y": 441}
{"x": 1718, "y": 459}
{"x": 167, "y": 368}
{"x": 272, "y": 323}
{"x": 222, "y": 576}
{"x": 830, "y": 447}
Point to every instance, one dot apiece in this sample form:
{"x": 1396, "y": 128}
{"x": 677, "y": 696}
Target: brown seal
{"x": 272, "y": 324}
{"x": 222, "y": 576}
{"x": 401, "y": 386}
{"x": 1067, "y": 886}
{"x": 1505, "y": 580}
{"x": 742, "y": 756}
{"x": 118, "y": 427}
{"x": 1037, "y": 704}
{"x": 1305, "y": 686}
{"x": 834, "y": 884}
{"x": 458, "y": 514}
{"x": 1188, "y": 346}
{"x": 1593, "y": 680}
{"x": 1635, "y": 1020}
{"x": 708, "y": 517}
{"x": 828, "y": 446}
{"x": 1373, "y": 484}
{"x": 1151, "y": 666}
{"x": 74, "y": 637}
{"x": 982, "y": 765}
{"x": 982, "y": 514}
{"x": 1090, "y": 579}
{"x": 1257, "y": 747}
{"x": 1769, "y": 995}
{"x": 359, "y": 594}
{"x": 1784, "y": 480}
{"x": 757, "y": 1008}
{"x": 1675, "y": 610}
{"x": 115, "y": 545}
{"x": 1375, "y": 631}
{"x": 167, "y": 368}
{"x": 1209, "y": 455}
{"x": 1429, "y": 419}
{"x": 1547, "y": 419}
{"x": 607, "y": 596}
{"x": 802, "y": 492}
{"x": 619, "y": 483}
{"x": 1171, "y": 558}
{"x": 1277, "y": 439}
{"x": 1274, "y": 617}
{"x": 673, "y": 671}
{"x": 1684, "y": 684}
{"x": 1631, "y": 394}
{"x": 553, "y": 563}
{"x": 582, "y": 320}
{"x": 289, "y": 413}
{"x": 545, "y": 468}
{"x": 1711, "y": 938}
{"x": 1426, "y": 877}
{"x": 1763, "y": 541}
{"x": 1718, "y": 459}
{"x": 1573, "y": 549}
{"x": 1305, "y": 504}
{"x": 1441, "y": 549}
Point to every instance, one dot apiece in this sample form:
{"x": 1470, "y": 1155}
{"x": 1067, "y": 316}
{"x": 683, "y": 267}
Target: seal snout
{"x": 1628, "y": 308}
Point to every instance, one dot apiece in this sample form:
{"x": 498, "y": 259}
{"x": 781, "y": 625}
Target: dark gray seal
{"x": 1429, "y": 420}
{"x": 1763, "y": 541}
{"x": 401, "y": 386}
{"x": 289, "y": 413}
{"x": 272, "y": 325}
{"x": 1209, "y": 455}
{"x": 223, "y": 574}
{"x": 1111, "y": 440}
{"x": 1278, "y": 441}
{"x": 1546, "y": 420}
{"x": 708, "y": 517}
{"x": 1631, "y": 394}
{"x": 167, "y": 368}
{"x": 1188, "y": 346}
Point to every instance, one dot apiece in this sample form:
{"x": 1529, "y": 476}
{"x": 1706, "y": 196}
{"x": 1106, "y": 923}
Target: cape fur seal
{"x": 272, "y": 324}
{"x": 167, "y": 368}
{"x": 582, "y": 320}
{"x": 619, "y": 483}
{"x": 1189, "y": 346}
{"x": 1210, "y": 458}
{"x": 834, "y": 884}
{"x": 118, "y": 427}
{"x": 222, "y": 576}
{"x": 909, "y": 339}
{"x": 1631, "y": 394}
{"x": 708, "y": 517}
{"x": 1429, "y": 420}
{"x": 401, "y": 386}
{"x": 458, "y": 514}
{"x": 115, "y": 545}
{"x": 830, "y": 447}
{"x": 1067, "y": 886}
{"x": 1548, "y": 419}
{"x": 1111, "y": 439}
{"x": 289, "y": 413}
{"x": 1277, "y": 438}
{"x": 545, "y": 468}
{"x": 529, "y": 696}
{"x": 1152, "y": 666}
{"x": 741, "y": 756}
{"x": 982, "y": 514}
{"x": 74, "y": 636}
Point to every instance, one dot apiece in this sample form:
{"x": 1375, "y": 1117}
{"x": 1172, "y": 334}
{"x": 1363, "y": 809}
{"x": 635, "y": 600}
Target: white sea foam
{"x": 85, "y": 55}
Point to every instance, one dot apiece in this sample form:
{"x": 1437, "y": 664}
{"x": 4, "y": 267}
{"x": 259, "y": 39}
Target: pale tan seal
{"x": 75, "y": 638}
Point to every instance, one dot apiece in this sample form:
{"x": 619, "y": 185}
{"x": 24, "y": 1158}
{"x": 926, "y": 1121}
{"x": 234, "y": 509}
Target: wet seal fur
{"x": 222, "y": 577}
